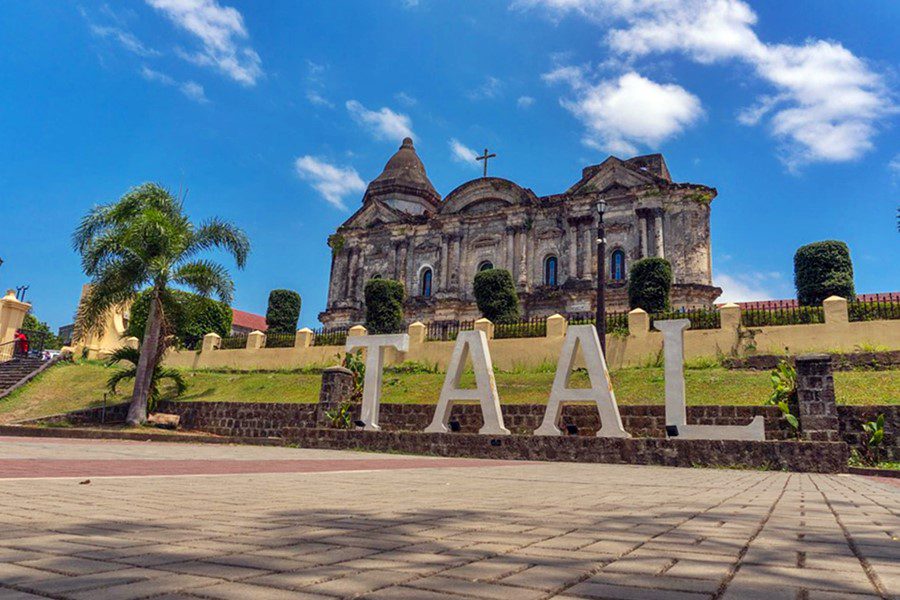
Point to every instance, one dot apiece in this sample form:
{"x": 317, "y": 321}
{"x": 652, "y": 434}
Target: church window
{"x": 426, "y": 282}
{"x": 485, "y": 265}
{"x": 617, "y": 265}
{"x": 550, "y": 271}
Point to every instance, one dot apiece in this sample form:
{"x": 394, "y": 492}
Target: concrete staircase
{"x": 18, "y": 371}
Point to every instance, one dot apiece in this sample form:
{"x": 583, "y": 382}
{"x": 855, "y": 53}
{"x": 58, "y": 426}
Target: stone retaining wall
{"x": 876, "y": 361}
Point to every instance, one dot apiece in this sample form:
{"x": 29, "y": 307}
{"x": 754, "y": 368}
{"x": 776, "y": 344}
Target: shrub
{"x": 649, "y": 284}
{"x": 188, "y": 316}
{"x": 283, "y": 311}
{"x": 496, "y": 296}
{"x": 823, "y": 269}
{"x": 384, "y": 306}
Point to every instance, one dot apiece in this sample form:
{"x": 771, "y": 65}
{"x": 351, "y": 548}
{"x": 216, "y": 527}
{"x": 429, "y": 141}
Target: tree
{"x": 32, "y": 324}
{"x": 823, "y": 269}
{"x": 190, "y": 316}
{"x": 133, "y": 356}
{"x": 283, "y": 311}
{"x": 384, "y": 305}
{"x": 145, "y": 240}
{"x": 496, "y": 296}
{"x": 649, "y": 285}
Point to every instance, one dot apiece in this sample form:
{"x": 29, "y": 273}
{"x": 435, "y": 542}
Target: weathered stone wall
{"x": 876, "y": 361}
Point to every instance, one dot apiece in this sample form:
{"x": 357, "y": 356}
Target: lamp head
{"x": 601, "y": 206}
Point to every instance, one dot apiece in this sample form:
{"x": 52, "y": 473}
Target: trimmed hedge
{"x": 496, "y": 296}
{"x": 384, "y": 306}
{"x": 649, "y": 285}
{"x": 283, "y": 311}
{"x": 189, "y": 316}
{"x": 823, "y": 269}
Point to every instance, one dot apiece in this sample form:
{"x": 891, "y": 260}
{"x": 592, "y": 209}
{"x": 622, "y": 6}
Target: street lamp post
{"x": 600, "y": 319}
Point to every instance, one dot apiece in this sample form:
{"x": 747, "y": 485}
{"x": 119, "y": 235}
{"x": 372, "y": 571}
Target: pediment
{"x": 374, "y": 214}
{"x": 613, "y": 175}
{"x": 485, "y": 241}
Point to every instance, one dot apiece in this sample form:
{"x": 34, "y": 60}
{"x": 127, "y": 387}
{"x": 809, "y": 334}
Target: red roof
{"x": 247, "y": 320}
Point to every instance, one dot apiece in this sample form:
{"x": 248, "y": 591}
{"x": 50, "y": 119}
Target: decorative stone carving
{"x": 676, "y": 408}
{"x": 600, "y": 392}
{"x": 474, "y": 344}
{"x": 375, "y": 346}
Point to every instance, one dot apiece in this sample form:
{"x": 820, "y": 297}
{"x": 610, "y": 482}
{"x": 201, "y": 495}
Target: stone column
{"x": 658, "y": 241}
{"x": 589, "y": 241}
{"x": 511, "y": 251}
{"x": 401, "y": 266}
{"x": 445, "y": 267}
{"x": 642, "y": 228}
{"x": 337, "y": 387}
{"x": 351, "y": 274}
{"x": 573, "y": 251}
{"x": 456, "y": 253}
{"x": 523, "y": 257}
{"x": 816, "y": 407}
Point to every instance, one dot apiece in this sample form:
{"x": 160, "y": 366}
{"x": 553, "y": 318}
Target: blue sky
{"x": 276, "y": 114}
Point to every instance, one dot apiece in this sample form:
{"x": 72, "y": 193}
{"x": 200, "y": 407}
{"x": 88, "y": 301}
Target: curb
{"x": 868, "y": 472}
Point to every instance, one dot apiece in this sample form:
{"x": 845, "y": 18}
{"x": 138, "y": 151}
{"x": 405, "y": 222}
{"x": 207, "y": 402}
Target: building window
{"x": 617, "y": 266}
{"x": 426, "y": 282}
{"x": 485, "y": 265}
{"x": 550, "y": 274}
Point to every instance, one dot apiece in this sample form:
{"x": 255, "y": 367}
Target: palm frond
{"x": 217, "y": 233}
{"x": 173, "y": 375}
{"x": 206, "y": 277}
{"x": 125, "y": 353}
{"x": 118, "y": 377}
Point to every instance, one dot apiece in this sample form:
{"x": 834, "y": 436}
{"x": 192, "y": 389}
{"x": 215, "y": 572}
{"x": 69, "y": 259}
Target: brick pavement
{"x": 522, "y": 531}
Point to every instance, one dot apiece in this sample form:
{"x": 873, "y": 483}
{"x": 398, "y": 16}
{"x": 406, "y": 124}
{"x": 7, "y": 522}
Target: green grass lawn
{"x": 68, "y": 387}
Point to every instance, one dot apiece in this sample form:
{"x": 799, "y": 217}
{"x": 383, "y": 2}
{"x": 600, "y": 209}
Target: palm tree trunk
{"x": 137, "y": 412}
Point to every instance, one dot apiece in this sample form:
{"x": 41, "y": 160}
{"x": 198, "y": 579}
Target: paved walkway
{"x": 428, "y": 528}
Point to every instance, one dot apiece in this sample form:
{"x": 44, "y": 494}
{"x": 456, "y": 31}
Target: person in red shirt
{"x": 21, "y": 344}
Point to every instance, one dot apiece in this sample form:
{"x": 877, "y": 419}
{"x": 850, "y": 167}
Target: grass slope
{"x": 68, "y": 387}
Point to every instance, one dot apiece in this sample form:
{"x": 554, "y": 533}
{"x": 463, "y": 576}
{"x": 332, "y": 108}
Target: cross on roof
{"x": 485, "y": 158}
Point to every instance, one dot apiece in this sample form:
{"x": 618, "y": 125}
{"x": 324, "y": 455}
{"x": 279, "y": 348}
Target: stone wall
{"x": 876, "y": 361}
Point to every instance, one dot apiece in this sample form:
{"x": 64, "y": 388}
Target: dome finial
{"x": 407, "y": 143}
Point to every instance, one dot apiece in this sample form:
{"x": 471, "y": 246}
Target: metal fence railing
{"x": 881, "y": 307}
{"x": 330, "y": 336}
{"x": 616, "y": 321}
{"x": 700, "y": 318}
{"x": 280, "y": 340}
{"x": 523, "y": 328}
{"x": 760, "y": 314}
{"x": 446, "y": 331}
{"x": 234, "y": 342}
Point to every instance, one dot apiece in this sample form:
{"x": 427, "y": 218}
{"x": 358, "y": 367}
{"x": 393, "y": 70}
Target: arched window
{"x": 550, "y": 274}
{"x": 485, "y": 265}
{"x": 426, "y": 282}
{"x": 617, "y": 265}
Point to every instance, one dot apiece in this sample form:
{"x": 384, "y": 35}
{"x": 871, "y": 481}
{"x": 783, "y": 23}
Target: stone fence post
{"x": 304, "y": 338}
{"x": 417, "y": 333}
{"x": 638, "y": 323}
{"x": 730, "y": 316}
{"x": 211, "y": 341}
{"x": 256, "y": 340}
{"x": 815, "y": 399}
{"x": 337, "y": 387}
{"x": 486, "y": 326}
{"x": 556, "y": 326}
{"x": 357, "y": 330}
{"x": 835, "y": 309}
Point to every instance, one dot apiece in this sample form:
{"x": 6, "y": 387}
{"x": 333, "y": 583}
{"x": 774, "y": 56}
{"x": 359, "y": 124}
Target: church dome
{"x": 404, "y": 175}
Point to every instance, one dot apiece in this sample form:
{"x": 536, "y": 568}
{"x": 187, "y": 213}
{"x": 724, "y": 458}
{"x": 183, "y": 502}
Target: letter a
{"x": 472, "y": 343}
{"x": 375, "y": 346}
{"x": 676, "y": 408}
{"x": 600, "y": 392}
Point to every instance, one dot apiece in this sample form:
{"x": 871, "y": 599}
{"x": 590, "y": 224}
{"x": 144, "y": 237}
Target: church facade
{"x": 406, "y": 231}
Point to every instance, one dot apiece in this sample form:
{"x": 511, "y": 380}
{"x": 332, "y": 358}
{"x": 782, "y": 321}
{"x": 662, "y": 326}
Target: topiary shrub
{"x": 384, "y": 306}
{"x": 649, "y": 284}
{"x": 283, "y": 311}
{"x": 823, "y": 269}
{"x": 496, "y": 296}
{"x": 188, "y": 316}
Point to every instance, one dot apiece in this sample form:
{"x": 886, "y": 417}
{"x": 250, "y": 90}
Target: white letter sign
{"x": 600, "y": 392}
{"x": 375, "y": 346}
{"x": 676, "y": 409}
{"x": 472, "y": 343}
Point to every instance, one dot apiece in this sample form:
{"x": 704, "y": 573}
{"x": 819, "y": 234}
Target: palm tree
{"x": 146, "y": 241}
{"x": 133, "y": 356}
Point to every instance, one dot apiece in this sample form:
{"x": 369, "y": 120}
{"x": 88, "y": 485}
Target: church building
{"x": 435, "y": 246}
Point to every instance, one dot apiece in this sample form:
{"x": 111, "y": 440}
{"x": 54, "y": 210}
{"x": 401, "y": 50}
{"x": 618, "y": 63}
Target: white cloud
{"x": 490, "y": 89}
{"x": 405, "y": 99}
{"x": 384, "y": 123}
{"x": 220, "y": 30}
{"x": 333, "y": 182}
{"x": 463, "y": 154}
{"x": 748, "y": 287}
{"x": 127, "y": 39}
{"x": 190, "y": 89}
{"x": 525, "y": 101}
{"x": 630, "y": 110}
{"x": 827, "y": 103}
{"x": 318, "y": 99}
{"x": 894, "y": 165}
